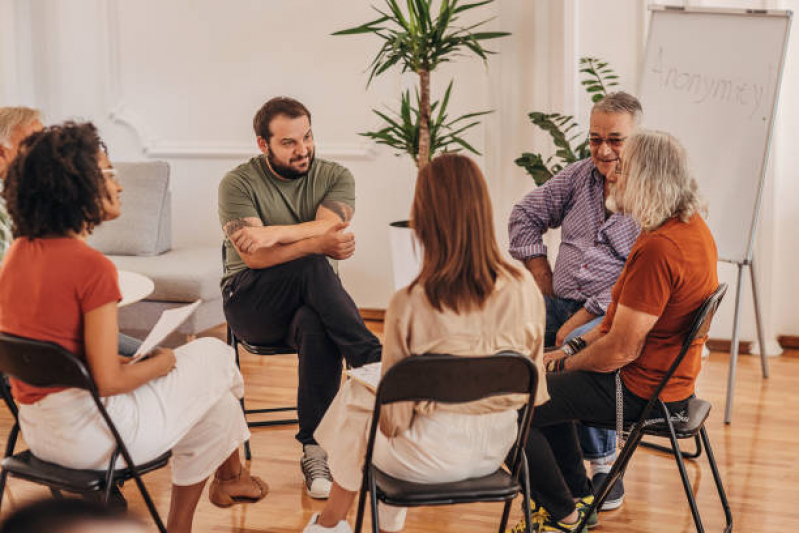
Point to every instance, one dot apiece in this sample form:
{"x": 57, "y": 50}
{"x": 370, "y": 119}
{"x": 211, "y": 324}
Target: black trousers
{"x": 557, "y": 472}
{"x": 302, "y": 304}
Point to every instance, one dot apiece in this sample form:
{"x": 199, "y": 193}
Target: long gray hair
{"x": 11, "y": 117}
{"x": 659, "y": 184}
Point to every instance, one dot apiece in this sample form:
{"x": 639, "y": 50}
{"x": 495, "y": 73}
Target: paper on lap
{"x": 170, "y": 320}
{"x": 368, "y": 375}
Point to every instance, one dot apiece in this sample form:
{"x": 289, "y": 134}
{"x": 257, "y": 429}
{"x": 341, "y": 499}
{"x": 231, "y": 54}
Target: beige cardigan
{"x": 512, "y": 318}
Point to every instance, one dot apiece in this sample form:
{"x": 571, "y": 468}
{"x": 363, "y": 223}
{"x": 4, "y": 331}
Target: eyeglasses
{"x": 110, "y": 173}
{"x": 613, "y": 142}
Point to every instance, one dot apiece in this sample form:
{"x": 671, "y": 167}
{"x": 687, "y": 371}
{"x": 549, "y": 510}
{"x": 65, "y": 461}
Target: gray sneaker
{"x": 317, "y": 474}
{"x": 615, "y": 496}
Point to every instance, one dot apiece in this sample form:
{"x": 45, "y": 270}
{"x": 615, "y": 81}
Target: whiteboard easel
{"x": 711, "y": 77}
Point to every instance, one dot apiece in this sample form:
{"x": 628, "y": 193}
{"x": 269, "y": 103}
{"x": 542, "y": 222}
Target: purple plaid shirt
{"x": 593, "y": 248}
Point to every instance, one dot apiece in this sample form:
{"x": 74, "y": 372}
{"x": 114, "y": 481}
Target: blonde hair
{"x": 13, "y": 117}
{"x": 659, "y": 184}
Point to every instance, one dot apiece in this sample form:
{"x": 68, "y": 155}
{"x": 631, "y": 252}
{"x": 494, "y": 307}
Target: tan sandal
{"x": 219, "y": 495}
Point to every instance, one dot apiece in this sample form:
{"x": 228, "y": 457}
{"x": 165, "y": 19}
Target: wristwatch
{"x": 568, "y": 350}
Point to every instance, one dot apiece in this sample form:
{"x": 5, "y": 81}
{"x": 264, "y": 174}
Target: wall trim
{"x": 374, "y": 315}
{"x": 120, "y": 113}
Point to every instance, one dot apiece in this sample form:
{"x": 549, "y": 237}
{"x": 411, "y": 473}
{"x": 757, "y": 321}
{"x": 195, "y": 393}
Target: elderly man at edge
{"x": 595, "y": 243}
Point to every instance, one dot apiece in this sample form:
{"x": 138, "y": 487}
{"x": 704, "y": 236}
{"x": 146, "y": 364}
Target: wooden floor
{"x": 758, "y": 455}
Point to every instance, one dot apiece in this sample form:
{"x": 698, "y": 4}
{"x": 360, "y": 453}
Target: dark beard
{"x": 286, "y": 171}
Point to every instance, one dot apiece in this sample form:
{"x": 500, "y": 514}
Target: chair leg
{"x": 149, "y": 501}
{"x": 528, "y": 519}
{"x": 717, "y": 478}
{"x": 670, "y": 450}
{"x": 373, "y": 502}
{"x": 616, "y": 471}
{"x": 686, "y": 483}
{"x": 11, "y": 443}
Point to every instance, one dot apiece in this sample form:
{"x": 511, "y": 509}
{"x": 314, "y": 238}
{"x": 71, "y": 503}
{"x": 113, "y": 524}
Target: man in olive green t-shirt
{"x": 284, "y": 213}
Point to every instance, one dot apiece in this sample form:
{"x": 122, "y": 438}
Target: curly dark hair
{"x": 55, "y": 186}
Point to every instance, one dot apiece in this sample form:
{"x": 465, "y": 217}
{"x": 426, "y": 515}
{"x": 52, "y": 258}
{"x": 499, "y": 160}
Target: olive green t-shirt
{"x": 252, "y": 190}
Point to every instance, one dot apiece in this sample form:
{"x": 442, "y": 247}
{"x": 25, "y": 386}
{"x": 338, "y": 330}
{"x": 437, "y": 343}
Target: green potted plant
{"x": 598, "y": 78}
{"x": 418, "y": 39}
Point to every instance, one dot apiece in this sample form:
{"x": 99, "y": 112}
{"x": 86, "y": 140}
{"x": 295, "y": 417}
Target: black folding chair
{"x": 448, "y": 379}
{"x": 258, "y": 349}
{"x": 44, "y": 364}
{"x": 687, "y": 427}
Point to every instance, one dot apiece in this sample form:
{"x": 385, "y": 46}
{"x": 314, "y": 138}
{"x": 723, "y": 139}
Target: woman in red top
{"x": 54, "y": 287}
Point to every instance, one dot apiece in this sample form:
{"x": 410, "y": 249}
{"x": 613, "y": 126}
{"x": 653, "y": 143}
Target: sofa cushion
{"x": 144, "y": 228}
{"x": 180, "y": 275}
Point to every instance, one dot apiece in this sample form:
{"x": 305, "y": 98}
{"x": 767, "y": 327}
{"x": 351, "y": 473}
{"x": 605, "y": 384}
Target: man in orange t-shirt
{"x": 669, "y": 273}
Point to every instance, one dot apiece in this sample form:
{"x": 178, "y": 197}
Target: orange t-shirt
{"x": 46, "y": 286}
{"x": 669, "y": 273}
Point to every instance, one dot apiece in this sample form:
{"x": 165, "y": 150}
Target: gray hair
{"x": 620, "y": 102}
{"x": 13, "y": 117}
{"x": 659, "y": 184}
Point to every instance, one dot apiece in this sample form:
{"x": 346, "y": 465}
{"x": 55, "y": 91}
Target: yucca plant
{"x": 419, "y": 42}
{"x": 598, "y": 79}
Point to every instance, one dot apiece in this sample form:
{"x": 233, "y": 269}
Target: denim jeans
{"x": 598, "y": 445}
{"x": 128, "y": 345}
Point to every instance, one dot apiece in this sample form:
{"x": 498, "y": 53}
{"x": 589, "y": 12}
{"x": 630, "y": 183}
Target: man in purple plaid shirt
{"x": 595, "y": 242}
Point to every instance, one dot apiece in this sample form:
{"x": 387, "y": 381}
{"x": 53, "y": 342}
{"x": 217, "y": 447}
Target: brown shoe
{"x": 220, "y": 491}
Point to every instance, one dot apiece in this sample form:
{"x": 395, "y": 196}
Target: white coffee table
{"x": 134, "y": 287}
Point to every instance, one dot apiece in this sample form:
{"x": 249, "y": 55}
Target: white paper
{"x": 170, "y": 320}
{"x": 369, "y": 374}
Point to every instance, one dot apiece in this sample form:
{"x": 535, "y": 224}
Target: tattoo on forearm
{"x": 340, "y": 208}
{"x": 235, "y": 225}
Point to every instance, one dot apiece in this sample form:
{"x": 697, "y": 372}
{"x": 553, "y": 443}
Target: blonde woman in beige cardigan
{"x": 466, "y": 301}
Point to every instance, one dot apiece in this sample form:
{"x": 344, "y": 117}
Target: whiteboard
{"x": 711, "y": 78}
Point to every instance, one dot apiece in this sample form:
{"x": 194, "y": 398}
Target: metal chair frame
{"x": 45, "y": 364}
{"x": 257, "y": 349}
{"x": 656, "y": 406}
{"x": 449, "y": 379}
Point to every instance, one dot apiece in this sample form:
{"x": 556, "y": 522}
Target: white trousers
{"x": 193, "y": 410}
{"x": 437, "y": 448}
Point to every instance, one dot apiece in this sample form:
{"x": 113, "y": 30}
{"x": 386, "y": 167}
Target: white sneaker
{"x": 317, "y": 474}
{"x": 313, "y": 527}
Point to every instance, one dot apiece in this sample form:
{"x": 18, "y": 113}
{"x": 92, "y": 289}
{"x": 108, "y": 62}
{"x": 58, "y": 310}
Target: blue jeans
{"x": 596, "y": 443}
{"x": 128, "y": 345}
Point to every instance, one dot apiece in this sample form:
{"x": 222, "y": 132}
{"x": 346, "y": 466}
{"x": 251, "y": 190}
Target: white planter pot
{"x": 406, "y": 253}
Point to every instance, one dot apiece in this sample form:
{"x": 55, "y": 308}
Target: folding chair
{"x": 258, "y": 349}
{"x": 44, "y": 364}
{"x": 448, "y": 379}
{"x": 689, "y": 427}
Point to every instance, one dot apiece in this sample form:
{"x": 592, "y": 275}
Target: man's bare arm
{"x": 333, "y": 207}
{"x": 249, "y": 234}
{"x": 621, "y": 346}
{"x": 333, "y": 242}
{"x": 542, "y": 273}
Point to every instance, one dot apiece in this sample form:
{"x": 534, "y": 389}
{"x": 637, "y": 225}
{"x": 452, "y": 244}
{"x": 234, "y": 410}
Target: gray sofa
{"x": 141, "y": 241}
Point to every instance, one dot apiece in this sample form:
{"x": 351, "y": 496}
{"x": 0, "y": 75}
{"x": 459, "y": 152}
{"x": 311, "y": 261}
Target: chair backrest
{"x": 42, "y": 364}
{"x": 699, "y": 327}
{"x": 450, "y": 379}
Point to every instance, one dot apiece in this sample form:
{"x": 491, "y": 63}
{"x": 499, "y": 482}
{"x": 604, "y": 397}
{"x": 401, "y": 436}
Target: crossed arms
{"x": 264, "y": 246}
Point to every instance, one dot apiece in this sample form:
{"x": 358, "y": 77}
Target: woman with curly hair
{"x": 54, "y": 287}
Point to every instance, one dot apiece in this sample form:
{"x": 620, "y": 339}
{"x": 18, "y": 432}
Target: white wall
{"x": 181, "y": 80}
